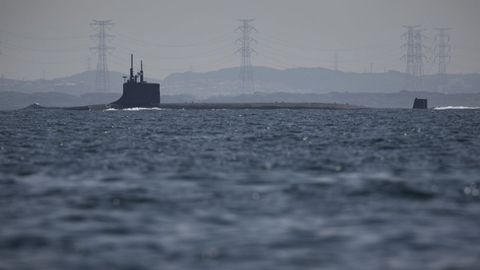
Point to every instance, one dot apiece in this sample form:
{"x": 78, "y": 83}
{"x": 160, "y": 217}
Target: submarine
{"x": 420, "y": 103}
{"x": 137, "y": 92}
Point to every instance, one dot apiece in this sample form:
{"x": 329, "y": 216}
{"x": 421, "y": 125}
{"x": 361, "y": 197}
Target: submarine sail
{"x": 420, "y": 103}
{"x": 137, "y": 92}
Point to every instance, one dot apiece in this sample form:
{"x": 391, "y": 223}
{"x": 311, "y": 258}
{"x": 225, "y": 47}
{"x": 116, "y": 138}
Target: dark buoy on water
{"x": 137, "y": 92}
{"x": 420, "y": 103}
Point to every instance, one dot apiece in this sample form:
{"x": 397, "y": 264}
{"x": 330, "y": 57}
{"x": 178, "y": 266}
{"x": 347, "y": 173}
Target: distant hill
{"x": 314, "y": 80}
{"x": 78, "y": 84}
{"x": 386, "y": 89}
{"x": 267, "y": 80}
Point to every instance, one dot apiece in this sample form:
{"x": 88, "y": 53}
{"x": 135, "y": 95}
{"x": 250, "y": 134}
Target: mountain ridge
{"x": 226, "y": 81}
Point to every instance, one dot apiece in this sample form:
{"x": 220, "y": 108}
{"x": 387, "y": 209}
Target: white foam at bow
{"x": 135, "y": 109}
{"x": 143, "y": 109}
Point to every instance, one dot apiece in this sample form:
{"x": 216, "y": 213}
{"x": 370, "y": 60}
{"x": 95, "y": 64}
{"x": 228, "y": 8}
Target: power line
{"x": 303, "y": 53}
{"x": 211, "y": 52}
{"x": 16, "y": 47}
{"x": 203, "y": 43}
{"x": 306, "y": 45}
{"x": 245, "y": 52}
{"x": 40, "y": 62}
{"x": 101, "y": 78}
{"x": 42, "y": 37}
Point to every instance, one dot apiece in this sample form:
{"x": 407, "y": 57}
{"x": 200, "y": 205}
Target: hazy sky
{"x": 51, "y": 37}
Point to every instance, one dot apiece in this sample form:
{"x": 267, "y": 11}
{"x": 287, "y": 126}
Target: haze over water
{"x": 240, "y": 189}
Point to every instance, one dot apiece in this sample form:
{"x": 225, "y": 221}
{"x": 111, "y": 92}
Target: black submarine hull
{"x": 212, "y": 106}
{"x": 135, "y": 95}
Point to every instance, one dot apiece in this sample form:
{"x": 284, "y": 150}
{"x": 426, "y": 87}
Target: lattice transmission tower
{"x": 442, "y": 50}
{"x": 409, "y": 46}
{"x": 245, "y": 51}
{"x": 414, "y": 55}
{"x": 335, "y": 61}
{"x": 101, "y": 37}
{"x": 419, "y": 54}
{"x": 1, "y": 76}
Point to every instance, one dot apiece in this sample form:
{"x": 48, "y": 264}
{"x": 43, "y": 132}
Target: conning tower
{"x": 420, "y": 103}
{"x": 137, "y": 92}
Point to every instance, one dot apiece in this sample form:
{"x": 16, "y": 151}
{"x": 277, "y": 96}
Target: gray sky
{"x": 51, "y": 37}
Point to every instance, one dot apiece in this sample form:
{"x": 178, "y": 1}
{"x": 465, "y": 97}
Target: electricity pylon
{"x": 414, "y": 55}
{"x": 442, "y": 50}
{"x": 419, "y": 54}
{"x": 245, "y": 51}
{"x": 101, "y": 78}
{"x": 409, "y": 46}
{"x": 335, "y": 61}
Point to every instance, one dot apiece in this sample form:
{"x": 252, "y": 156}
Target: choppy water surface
{"x": 240, "y": 189}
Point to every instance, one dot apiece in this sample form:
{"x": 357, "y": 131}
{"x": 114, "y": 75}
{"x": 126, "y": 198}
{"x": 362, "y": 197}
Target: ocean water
{"x": 240, "y": 189}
